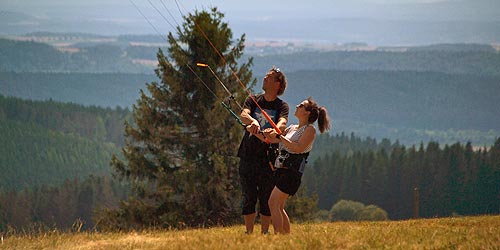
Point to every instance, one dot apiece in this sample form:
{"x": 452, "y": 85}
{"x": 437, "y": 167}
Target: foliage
{"x": 30, "y": 156}
{"x": 73, "y": 203}
{"x": 45, "y": 142}
{"x": 372, "y": 213}
{"x": 302, "y": 207}
{"x": 94, "y": 123}
{"x": 345, "y": 210}
{"x": 180, "y": 151}
{"x": 451, "y": 179}
{"x": 46, "y": 149}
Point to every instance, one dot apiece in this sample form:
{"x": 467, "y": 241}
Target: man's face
{"x": 270, "y": 81}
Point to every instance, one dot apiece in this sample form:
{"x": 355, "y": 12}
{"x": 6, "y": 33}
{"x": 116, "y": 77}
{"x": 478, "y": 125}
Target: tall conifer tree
{"x": 180, "y": 153}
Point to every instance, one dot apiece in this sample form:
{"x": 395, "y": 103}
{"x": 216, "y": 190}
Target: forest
{"x": 47, "y": 142}
{"x": 451, "y": 179}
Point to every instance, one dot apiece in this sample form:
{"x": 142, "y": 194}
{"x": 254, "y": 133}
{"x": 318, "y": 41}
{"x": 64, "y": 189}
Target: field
{"x": 444, "y": 233}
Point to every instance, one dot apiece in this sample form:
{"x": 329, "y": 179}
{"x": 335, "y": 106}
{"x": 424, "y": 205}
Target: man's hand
{"x": 254, "y": 127}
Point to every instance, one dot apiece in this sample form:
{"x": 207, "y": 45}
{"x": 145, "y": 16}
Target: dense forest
{"x": 72, "y": 205}
{"x": 46, "y": 142}
{"x": 451, "y": 179}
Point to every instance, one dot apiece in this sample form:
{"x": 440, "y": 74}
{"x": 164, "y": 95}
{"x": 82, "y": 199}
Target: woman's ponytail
{"x": 323, "y": 120}
{"x": 318, "y": 113}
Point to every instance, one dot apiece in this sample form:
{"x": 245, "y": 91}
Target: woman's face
{"x": 300, "y": 109}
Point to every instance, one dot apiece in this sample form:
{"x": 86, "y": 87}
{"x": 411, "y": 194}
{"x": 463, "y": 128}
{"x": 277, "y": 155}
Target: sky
{"x": 408, "y": 21}
{"x": 470, "y": 9}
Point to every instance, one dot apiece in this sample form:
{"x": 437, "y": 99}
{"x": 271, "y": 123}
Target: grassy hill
{"x": 442, "y": 233}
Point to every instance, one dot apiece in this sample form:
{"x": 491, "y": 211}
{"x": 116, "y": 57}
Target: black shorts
{"x": 256, "y": 184}
{"x": 287, "y": 180}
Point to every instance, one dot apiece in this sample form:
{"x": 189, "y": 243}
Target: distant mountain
{"x": 105, "y": 89}
{"x": 98, "y": 56}
{"x": 451, "y": 59}
{"x": 405, "y": 105}
{"x": 466, "y": 47}
{"x": 440, "y": 92}
{"x": 16, "y": 18}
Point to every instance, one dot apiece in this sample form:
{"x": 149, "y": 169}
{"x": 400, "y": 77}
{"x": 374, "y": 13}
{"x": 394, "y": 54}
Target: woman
{"x": 295, "y": 143}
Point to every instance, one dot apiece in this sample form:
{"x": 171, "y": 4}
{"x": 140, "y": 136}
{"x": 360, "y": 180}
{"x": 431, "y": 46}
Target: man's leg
{"x": 265, "y": 221}
{"x": 249, "y": 194}
{"x": 265, "y": 186}
{"x": 249, "y": 222}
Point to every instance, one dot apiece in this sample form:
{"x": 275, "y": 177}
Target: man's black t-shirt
{"x": 251, "y": 148}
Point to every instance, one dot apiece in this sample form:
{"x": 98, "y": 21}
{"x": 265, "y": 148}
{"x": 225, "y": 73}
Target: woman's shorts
{"x": 287, "y": 180}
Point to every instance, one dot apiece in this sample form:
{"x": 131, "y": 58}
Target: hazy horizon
{"x": 378, "y": 22}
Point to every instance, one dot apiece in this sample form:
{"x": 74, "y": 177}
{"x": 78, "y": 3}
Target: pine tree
{"x": 180, "y": 151}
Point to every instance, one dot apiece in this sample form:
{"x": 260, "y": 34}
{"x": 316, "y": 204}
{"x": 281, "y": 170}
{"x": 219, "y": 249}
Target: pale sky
{"x": 409, "y": 21}
{"x": 385, "y": 9}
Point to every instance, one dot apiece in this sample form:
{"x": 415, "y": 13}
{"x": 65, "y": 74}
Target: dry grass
{"x": 446, "y": 233}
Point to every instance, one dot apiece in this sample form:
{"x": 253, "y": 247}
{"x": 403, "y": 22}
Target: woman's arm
{"x": 304, "y": 141}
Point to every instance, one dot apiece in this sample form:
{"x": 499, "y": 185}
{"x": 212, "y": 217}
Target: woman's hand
{"x": 271, "y": 134}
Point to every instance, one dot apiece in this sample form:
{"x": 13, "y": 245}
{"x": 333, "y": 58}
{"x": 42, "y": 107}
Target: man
{"x": 255, "y": 171}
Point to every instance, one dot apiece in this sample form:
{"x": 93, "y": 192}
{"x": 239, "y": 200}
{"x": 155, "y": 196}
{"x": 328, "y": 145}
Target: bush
{"x": 322, "y": 215}
{"x": 372, "y": 213}
{"x": 346, "y": 210}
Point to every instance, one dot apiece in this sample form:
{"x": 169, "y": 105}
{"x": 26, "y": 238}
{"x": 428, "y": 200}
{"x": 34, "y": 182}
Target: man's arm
{"x": 253, "y": 125}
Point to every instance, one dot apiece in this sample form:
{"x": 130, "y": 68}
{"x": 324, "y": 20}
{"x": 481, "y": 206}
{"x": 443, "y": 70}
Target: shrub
{"x": 345, "y": 210}
{"x": 372, "y": 213}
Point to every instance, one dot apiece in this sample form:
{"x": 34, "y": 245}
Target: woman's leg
{"x": 276, "y": 205}
{"x": 286, "y": 220}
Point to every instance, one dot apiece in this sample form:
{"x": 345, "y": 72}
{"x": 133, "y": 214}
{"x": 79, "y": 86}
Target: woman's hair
{"x": 280, "y": 77}
{"x": 318, "y": 113}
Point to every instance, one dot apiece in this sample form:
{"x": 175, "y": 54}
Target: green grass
{"x": 482, "y": 232}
